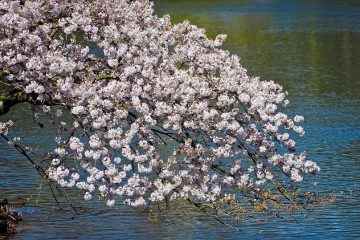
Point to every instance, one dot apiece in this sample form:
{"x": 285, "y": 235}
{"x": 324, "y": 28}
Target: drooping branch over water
{"x": 159, "y": 111}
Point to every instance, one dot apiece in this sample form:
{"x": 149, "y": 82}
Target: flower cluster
{"x": 4, "y": 127}
{"x": 159, "y": 111}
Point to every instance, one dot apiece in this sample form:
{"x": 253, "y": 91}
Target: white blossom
{"x": 135, "y": 83}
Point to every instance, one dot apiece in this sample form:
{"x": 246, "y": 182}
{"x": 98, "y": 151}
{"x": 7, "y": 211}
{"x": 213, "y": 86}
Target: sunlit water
{"x": 312, "y": 48}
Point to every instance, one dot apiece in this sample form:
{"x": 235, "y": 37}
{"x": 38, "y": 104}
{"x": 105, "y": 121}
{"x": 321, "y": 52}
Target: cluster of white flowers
{"x": 5, "y": 126}
{"x": 133, "y": 82}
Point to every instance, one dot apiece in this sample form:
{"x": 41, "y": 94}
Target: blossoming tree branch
{"x": 158, "y": 112}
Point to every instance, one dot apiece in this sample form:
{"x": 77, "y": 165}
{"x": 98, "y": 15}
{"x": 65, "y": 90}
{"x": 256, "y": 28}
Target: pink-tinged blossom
{"x": 132, "y": 82}
{"x": 298, "y": 119}
{"x": 87, "y": 196}
{"x": 4, "y": 127}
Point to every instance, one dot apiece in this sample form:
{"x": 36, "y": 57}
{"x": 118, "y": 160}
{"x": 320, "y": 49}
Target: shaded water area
{"x": 312, "y": 48}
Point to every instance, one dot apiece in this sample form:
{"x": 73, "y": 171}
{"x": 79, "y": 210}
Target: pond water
{"x": 312, "y": 48}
